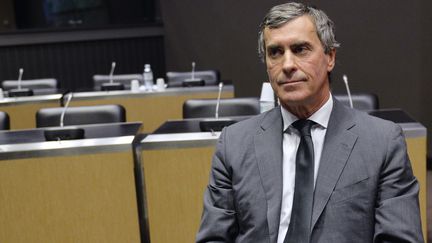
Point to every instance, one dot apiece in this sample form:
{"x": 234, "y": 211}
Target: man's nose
{"x": 288, "y": 64}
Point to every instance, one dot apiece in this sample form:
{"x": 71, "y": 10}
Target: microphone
{"x": 64, "y": 109}
{"x": 19, "y": 91}
{"x": 113, "y": 64}
{"x": 345, "y": 79}
{"x": 21, "y": 71}
{"x": 193, "y": 71}
{"x": 111, "y": 85}
{"x": 193, "y": 81}
{"x": 64, "y": 133}
{"x": 216, "y": 124}
{"x": 218, "y": 100}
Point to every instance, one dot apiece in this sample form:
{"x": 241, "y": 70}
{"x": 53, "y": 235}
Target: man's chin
{"x": 293, "y": 98}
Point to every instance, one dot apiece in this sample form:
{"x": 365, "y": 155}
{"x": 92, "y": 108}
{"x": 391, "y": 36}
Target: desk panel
{"x": 153, "y": 111}
{"x": 77, "y": 198}
{"x": 151, "y": 108}
{"x": 175, "y": 180}
{"x": 23, "y": 115}
{"x": 417, "y": 153}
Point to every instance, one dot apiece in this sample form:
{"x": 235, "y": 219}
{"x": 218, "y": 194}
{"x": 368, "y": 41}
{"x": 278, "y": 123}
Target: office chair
{"x": 124, "y": 79}
{"x": 4, "y": 121}
{"x": 79, "y": 115}
{"x": 177, "y": 79}
{"x": 361, "y": 101}
{"x": 39, "y": 86}
{"x": 206, "y": 108}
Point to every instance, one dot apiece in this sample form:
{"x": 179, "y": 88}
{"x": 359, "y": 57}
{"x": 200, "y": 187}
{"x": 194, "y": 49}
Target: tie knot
{"x": 303, "y": 126}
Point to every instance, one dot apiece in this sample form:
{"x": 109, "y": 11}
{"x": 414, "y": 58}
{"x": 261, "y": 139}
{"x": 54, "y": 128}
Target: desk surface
{"x": 98, "y": 138}
{"x": 409, "y": 125}
{"x": 111, "y": 94}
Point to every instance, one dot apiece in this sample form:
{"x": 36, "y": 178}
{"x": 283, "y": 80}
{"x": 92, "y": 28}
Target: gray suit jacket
{"x": 365, "y": 189}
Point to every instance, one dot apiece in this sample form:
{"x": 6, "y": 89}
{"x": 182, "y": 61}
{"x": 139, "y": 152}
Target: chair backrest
{"x": 210, "y": 77}
{"x": 202, "y": 108}
{"x": 4, "y": 121}
{"x": 361, "y": 101}
{"x": 124, "y": 79}
{"x": 46, "y": 85}
{"x": 79, "y": 115}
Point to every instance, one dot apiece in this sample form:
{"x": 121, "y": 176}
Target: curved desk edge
{"x": 8, "y": 101}
{"x": 69, "y": 147}
{"x": 179, "y": 140}
{"x": 413, "y": 129}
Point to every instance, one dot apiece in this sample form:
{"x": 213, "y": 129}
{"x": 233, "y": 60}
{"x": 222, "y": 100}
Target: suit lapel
{"x": 268, "y": 149}
{"x": 338, "y": 144}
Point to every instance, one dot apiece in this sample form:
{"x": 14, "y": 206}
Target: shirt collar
{"x": 321, "y": 116}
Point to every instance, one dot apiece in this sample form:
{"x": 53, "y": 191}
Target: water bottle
{"x": 148, "y": 77}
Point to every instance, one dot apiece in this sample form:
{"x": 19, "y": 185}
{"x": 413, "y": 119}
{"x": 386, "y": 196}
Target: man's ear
{"x": 331, "y": 58}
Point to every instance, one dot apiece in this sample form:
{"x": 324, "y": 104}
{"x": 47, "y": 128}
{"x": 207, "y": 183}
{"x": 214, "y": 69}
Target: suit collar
{"x": 268, "y": 149}
{"x": 321, "y": 116}
{"x": 338, "y": 144}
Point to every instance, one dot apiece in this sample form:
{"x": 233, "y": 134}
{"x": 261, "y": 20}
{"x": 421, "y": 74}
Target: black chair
{"x": 206, "y": 108}
{"x": 80, "y": 115}
{"x": 39, "y": 86}
{"x": 361, "y": 101}
{"x": 177, "y": 79}
{"x": 124, "y": 79}
{"x": 4, "y": 121}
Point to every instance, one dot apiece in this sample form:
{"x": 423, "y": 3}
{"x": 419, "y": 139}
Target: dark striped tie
{"x": 301, "y": 214}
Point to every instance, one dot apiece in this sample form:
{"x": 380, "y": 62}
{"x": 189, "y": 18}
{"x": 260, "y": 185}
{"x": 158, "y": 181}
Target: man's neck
{"x": 305, "y": 111}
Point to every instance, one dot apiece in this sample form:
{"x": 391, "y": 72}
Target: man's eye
{"x": 299, "y": 49}
{"x": 274, "y": 52}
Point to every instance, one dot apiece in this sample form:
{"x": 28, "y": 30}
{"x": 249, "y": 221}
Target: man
{"x": 311, "y": 170}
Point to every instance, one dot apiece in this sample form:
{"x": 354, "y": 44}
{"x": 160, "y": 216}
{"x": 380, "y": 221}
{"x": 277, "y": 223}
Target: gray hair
{"x": 281, "y": 14}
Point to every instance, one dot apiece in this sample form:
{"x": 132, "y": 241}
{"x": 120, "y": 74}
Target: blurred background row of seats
{"x": 192, "y": 108}
{"x": 174, "y": 79}
{"x": 203, "y": 108}
{"x": 79, "y": 115}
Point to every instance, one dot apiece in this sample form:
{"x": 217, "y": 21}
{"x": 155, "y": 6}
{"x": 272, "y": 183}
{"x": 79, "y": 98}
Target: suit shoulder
{"x": 252, "y": 124}
{"x": 244, "y": 127}
{"x": 375, "y": 124}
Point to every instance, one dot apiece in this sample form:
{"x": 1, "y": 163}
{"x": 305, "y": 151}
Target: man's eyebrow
{"x": 300, "y": 43}
{"x": 272, "y": 46}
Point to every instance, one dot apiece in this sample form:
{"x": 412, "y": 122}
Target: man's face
{"x": 297, "y": 65}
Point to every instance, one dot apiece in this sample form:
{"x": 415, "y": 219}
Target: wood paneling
{"x": 81, "y": 198}
{"x": 74, "y": 63}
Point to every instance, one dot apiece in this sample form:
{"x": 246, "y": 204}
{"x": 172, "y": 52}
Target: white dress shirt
{"x": 290, "y": 143}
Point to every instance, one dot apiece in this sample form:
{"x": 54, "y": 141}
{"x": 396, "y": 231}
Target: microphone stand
{"x": 62, "y": 132}
{"x": 111, "y": 85}
{"x": 345, "y": 79}
{"x": 216, "y": 124}
{"x": 193, "y": 81}
{"x": 19, "y": 91}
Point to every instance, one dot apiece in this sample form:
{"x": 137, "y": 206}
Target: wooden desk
{"x": 415, "y": 135}
{"x": 151, "y": 108}
{"x": 176, "y": 169}
{"x": 68, "y": 191}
